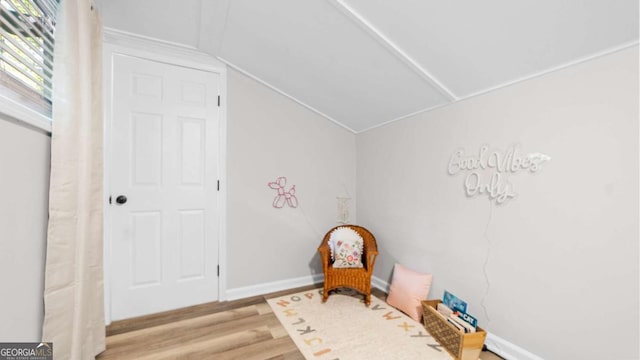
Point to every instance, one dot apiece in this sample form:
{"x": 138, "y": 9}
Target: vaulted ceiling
{"x": 362, "y": 63}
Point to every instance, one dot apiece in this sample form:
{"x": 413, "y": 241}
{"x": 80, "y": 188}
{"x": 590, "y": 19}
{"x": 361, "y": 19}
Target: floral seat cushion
{"x": 346, "y": 248}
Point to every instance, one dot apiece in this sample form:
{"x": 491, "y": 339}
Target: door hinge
{"x": 218, "y": 270}
{"x": 218, "y": 100}
{"x": 218, "y": 185}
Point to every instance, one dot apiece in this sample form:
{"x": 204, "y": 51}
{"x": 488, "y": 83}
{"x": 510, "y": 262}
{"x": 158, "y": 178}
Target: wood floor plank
{"x": 128, "y": 325}
{"x": 210, "y": 348}
{"x": 278, "y": 331}
{"x": 190, "y": 326}
{"x": 264, "y": 308}
{"x": 187, "y": 333}
{"x": 261, "y": 350}
{"x": 293, "y": 355}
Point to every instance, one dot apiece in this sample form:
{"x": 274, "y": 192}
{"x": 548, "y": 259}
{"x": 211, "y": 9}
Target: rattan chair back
{"x": 358, "y": 279}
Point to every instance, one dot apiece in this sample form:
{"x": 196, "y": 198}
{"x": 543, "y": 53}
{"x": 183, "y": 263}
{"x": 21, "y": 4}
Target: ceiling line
{"x": 108, "y": 31}
{"x": 555, "y": 68}
{"x": 211, "y": 34}
{"x": 290, "y": 97}
{"x": 402, "y": 117}
{"x": 510, "y": 83}
{"x": 394, "y": 49}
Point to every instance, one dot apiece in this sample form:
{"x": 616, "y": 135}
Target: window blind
{"x": 26, "y": 49}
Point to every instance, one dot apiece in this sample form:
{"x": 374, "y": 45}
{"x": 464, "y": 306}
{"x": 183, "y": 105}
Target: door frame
{"x": 116, "y": 42}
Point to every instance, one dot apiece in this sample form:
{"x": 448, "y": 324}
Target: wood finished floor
{"x": 244, "y": 329}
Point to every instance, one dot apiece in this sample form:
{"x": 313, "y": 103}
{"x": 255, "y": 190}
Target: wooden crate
{"x": 460, "y": 345}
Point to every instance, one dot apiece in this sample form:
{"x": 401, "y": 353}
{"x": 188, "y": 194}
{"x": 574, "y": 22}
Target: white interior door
{"x": 164, "y": 242}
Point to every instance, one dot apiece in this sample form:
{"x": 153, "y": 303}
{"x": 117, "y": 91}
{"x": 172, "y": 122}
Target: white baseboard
{"x": 380, "y": 284}
{"x": 508, "y": 350}
{"x": 261, "y": 289}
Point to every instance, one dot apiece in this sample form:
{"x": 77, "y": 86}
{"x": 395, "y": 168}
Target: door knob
{"x": 121, "y": 199}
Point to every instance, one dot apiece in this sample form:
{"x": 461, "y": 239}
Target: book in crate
{"x": 460, "y": 345}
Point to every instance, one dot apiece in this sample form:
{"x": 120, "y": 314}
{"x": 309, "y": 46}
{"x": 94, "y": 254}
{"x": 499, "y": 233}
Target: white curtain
{"x": 73, "y": 293}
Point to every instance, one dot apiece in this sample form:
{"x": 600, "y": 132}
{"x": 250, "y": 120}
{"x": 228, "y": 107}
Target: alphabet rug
{"x": 344, "y": 328}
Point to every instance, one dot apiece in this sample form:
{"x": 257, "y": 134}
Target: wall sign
{"x": 487, "y": 171}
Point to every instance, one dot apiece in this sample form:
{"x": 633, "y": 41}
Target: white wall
{"x": 562, "y": 258}
{"x": 24, "y": 186}
{"x": 269, "y": 136}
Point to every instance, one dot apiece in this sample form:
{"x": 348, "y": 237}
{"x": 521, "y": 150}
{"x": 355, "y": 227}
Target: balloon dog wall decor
{"x": 283, "y": 196}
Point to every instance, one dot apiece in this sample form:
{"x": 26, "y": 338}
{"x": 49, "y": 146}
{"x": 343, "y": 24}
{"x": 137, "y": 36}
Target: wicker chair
{"x": 358, "y": 279}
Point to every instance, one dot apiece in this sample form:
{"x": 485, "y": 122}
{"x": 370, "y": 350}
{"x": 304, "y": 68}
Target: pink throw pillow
{"x": 408, "y": 289}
